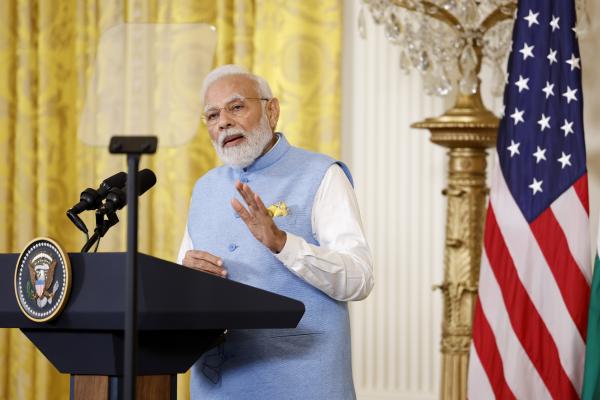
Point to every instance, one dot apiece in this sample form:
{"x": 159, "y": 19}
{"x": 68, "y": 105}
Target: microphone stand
{"x": 134, "y": 147}
{"x": 102, "y": 226}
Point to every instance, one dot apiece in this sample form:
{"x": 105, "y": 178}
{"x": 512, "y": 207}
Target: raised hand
{"x": 257, "y": 219}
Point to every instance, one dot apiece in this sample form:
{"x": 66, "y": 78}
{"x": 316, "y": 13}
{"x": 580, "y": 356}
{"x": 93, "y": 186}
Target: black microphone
{"x": 91, "y": 199}
{"x": 117, "y": 198}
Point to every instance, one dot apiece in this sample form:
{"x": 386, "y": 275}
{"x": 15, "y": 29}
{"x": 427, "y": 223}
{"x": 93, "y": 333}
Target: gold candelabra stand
{"x": 467, "y": 130}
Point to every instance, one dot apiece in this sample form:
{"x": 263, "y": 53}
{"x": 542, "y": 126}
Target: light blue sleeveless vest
{"x": 311, "y": 362}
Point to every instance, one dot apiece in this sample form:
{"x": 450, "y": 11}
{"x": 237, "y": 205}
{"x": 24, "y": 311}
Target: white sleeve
{"x": 186, "y": 244}
{"x": 341, "y": 266}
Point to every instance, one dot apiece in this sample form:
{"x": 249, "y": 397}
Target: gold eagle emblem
{"x": 42, "y": 276}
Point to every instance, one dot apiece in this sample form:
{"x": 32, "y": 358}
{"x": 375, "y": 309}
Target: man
{"x": 281, "y": 219}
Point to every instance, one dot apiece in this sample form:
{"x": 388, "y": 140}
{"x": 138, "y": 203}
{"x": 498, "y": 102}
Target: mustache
{"x": 226, "y": 134}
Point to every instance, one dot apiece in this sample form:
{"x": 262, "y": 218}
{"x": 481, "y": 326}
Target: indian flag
{"x": 591, "y": 378}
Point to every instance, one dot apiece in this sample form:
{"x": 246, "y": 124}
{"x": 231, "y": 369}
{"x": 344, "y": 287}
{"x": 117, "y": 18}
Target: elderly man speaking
{"x": 282, "y": 219}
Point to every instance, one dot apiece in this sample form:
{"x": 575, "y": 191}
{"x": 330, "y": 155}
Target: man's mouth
{"x": 233, "y": 140}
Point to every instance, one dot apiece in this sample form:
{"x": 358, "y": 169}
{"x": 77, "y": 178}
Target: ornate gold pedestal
{"x": 467, "y": 130}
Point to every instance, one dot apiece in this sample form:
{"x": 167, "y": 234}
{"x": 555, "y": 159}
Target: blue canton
{"x": 540, "y": 144}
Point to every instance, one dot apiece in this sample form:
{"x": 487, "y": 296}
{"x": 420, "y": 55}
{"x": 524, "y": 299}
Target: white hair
{"x": 231, "y": 69}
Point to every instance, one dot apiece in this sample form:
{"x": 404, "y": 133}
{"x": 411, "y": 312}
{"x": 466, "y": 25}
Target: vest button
{"x": 232, "y": 247}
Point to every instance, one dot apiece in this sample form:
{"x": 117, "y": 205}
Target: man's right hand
{"x": 203, "y": 261}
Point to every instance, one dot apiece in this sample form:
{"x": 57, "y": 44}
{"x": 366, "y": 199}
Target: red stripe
{"x": 525, "y": 319}
{"x": 571, "y": 282}
{"x": 581, "y": 188}
{"x": 489, "y": 355}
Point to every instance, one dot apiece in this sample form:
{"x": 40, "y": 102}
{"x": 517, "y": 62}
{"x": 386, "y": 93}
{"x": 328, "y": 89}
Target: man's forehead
{"x": 226, "y": 88}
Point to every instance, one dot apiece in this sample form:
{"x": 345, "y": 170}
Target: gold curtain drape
{"x": 47, "y": 49}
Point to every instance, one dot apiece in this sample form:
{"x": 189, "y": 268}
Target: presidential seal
{"x": 42, "y": 280}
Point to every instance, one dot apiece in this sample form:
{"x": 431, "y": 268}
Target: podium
{"x": 181, "y": 314}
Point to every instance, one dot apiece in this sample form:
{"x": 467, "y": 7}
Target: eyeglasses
{"x": 236, "y": 108}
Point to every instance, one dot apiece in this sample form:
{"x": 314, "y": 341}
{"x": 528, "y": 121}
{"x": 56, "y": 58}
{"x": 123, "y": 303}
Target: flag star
{"x": 567, "y": 127}
{"x": 570, "y": 94}
{"x": 565, "y": 159}
{"x": 548, "y": 89}
{"x": 552, "y": 56}
{"x": 522, "y": 83}
{"x": 554, "y": 23}
{"x": 517, "y": 116}
{"x": 536, "y": 186}
{"x": 573, "y": 62}
{"x": 539, "y": 155}
{"x": 531, "y": 18}
{"x": 513, "y": 148}
{"x": 527, "y": 51}
{"x": 544, "y": 122}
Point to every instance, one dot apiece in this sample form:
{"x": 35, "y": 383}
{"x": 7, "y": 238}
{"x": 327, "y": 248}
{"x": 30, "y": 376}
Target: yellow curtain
{"x": 47, "y": 49}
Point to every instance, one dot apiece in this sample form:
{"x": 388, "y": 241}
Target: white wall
{"x": 399, "y": 175}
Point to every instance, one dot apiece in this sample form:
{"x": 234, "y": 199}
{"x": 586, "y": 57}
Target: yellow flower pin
{"x": 279, "y": 209}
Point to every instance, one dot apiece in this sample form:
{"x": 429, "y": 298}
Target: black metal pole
{"x": 133, "y": 161}
{"x": 134, "y": 147}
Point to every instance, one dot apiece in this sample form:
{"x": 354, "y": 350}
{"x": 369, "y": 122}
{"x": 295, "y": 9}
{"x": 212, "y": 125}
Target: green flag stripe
{"x": 591, "y": 377}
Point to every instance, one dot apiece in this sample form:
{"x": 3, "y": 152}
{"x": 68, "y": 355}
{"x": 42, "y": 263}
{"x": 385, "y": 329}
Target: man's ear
{"x": 273, "y": 112}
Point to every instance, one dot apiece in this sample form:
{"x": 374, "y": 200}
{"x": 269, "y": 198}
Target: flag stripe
{"x": 525, "y": 320}
{"x": 537, "y": 279}
{"x": 574, "y": 221}
{"x": 485, "y": 344}
{"x": 571, "y": 282}
{"x": 581, "y": 188}
{"x": 521, "y": 375}
{"x": 479, "y": 386}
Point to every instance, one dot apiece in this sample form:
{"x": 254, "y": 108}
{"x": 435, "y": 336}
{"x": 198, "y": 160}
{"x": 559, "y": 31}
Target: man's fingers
{"x": 205, "y": 266}
{"x": 252, "y": 199}
{"x": 203, "y": 255}
{"x": 243, "y": 191}
{"x": 239, "y": 208}
{"x": 260, "y": 204}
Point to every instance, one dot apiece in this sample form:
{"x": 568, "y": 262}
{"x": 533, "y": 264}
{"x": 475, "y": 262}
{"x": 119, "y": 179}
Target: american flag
{"x": 530, "y": 320}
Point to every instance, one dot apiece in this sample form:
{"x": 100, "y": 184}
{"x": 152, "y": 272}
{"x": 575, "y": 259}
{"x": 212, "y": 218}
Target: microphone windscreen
{"x": 146, "y": 179}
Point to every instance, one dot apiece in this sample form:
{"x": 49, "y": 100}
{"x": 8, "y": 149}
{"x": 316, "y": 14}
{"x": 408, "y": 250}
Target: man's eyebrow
{"x": 235, "y": 96}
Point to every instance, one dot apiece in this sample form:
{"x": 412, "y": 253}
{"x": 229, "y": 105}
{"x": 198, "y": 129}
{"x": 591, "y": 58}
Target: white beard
{"x": 245, "y": 153}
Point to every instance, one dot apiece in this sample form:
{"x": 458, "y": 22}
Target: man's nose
{"x": 225, "y": 120}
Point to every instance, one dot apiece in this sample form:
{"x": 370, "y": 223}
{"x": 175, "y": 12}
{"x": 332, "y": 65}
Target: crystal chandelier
{"x": 446, "y": 40}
